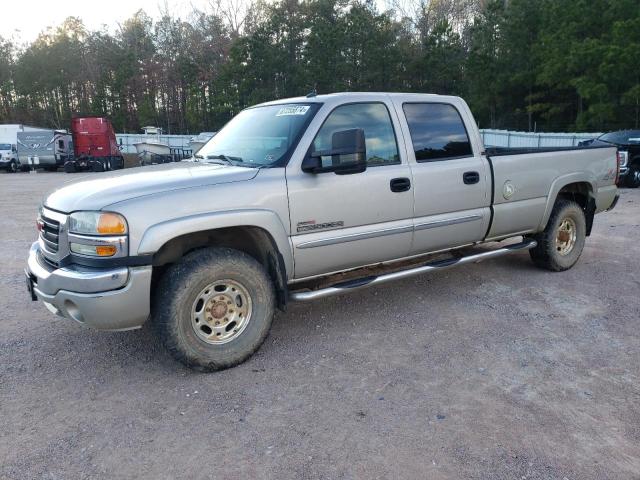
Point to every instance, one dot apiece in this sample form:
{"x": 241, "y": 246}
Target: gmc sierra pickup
{"x": 299, "y": 199}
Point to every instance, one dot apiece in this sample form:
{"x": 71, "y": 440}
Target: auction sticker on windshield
{"x": 297, "y": 110}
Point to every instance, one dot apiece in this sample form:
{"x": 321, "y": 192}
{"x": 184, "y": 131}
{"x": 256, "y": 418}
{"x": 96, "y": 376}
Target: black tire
{"x": 548, "y": 253}
{"x": 176, "y": 297}
{"x": 632, "y": 179}
{"x": 70, "y": 167}
{"x": 97, "y": 166}
{"x": 12, "y": 167}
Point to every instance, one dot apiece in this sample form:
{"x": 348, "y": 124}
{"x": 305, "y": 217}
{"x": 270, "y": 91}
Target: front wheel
{"x": 562, "y": 241}
{"x": 214, "y": 308}
{"x": 633, "y": 176}
{"x": 12, "y": 167}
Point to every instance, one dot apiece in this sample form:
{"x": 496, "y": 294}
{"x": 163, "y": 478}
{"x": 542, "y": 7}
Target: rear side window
{"x": 374, "y": 119}
{"x": 437, "y": 131}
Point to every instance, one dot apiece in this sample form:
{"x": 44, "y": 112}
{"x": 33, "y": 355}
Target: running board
{"x": 357, "y": 284}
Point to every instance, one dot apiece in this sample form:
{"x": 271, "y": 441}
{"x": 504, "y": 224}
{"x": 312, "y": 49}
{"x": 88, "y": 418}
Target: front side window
{"x": 437, "y": 131}
{"x": 374, "y": 119}
{"x": 259, "y": 136}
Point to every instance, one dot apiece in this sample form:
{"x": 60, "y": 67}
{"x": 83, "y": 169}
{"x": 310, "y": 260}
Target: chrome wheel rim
{"x": 221, "y": 311}
{"x": 566, "y": 237}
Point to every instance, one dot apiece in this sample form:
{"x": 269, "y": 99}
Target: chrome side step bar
{"x": 359, "y": 283}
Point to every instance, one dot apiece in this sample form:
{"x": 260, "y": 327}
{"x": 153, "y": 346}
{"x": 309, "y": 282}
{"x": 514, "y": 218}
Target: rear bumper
{"x": 104, "y": 299}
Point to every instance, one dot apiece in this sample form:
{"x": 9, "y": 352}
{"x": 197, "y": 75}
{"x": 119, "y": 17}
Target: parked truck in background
{"x": 300, "y": 199}
{"x": 9, "y": 157}
{"x": 628, "y": 144}
{"x": 48, "y": 149}
{"x": 95, "y": 146}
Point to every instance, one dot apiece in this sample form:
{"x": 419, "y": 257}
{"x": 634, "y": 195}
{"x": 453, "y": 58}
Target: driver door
{"x": 341, "y": 221}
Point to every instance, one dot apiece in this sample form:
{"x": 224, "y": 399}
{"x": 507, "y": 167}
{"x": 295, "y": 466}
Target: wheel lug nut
{"x": 217, "y": 323}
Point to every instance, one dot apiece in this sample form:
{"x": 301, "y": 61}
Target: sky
{"x": 27, "y": 18}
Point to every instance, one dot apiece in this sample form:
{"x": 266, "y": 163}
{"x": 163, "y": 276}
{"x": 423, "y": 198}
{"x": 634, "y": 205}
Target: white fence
{"x": 505, "y": 138}
{"x": 491, "y": 138}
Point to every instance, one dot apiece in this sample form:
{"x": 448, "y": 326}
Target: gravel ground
{"x": 490, "y": 371}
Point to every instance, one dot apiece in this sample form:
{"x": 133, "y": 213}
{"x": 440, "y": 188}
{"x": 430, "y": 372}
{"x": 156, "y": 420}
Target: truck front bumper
{"x": 105, "y": 299}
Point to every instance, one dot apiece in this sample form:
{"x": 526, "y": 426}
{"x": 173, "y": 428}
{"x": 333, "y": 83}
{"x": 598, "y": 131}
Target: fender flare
{"x": 558, "y": 184}
{"x": 159, "y": 234}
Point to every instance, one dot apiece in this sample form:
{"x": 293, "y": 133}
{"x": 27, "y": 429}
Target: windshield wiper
{"x": 226, "y": 158}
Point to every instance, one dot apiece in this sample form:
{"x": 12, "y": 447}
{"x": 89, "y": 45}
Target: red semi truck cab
{"x": 95, "y": 145}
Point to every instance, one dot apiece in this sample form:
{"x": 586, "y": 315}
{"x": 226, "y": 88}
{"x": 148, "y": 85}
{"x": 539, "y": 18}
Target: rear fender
{"x": 558, "y": 184}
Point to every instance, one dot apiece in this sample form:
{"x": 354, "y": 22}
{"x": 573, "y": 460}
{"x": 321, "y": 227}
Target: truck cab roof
{"x": 346, "y": 97}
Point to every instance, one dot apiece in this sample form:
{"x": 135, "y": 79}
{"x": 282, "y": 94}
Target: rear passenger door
{"x": 452, "y": 182}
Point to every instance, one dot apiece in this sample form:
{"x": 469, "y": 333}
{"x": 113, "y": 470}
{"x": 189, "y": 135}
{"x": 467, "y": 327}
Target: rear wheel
{"x": 97, "y": 166}
{"x": 562, "y": 241}
{"x": 214, "y": 308}
{"x": 633, "y": 176}
{"x": 70, "y": 167}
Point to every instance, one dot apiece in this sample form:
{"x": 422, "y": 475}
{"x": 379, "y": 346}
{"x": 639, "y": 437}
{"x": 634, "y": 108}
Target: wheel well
{"x": 251, "y": 240}
{"x": 581, "y": 193}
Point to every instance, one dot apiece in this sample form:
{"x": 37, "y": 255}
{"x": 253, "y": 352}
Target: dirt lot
{"x": 493, "y": 371}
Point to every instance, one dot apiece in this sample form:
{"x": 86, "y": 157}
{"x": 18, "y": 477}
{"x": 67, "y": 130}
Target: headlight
{"x": 97, "y": 223}
{"x": 98, "y": 234}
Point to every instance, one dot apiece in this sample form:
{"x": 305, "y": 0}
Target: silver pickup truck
{"x": 299, "y": 199}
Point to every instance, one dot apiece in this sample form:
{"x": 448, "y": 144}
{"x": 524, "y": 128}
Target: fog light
{"x": 93, "y": 250}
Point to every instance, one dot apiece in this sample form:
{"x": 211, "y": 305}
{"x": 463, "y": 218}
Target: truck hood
{"x": 98, "y": 190}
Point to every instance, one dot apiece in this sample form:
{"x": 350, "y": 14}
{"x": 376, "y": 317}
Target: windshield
{"x": 259, "y": 136}
{"x": 5, "y": 146}
{"x": 624, "y": 137}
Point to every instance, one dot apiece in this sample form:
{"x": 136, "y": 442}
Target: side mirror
{"x": 348, "y": 154}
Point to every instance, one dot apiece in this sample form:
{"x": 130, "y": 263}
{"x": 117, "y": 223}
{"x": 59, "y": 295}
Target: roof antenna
{"x": 313, "y": 92}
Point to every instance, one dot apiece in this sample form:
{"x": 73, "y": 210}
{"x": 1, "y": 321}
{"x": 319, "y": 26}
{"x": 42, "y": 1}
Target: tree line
{"x": 545, "y": 65}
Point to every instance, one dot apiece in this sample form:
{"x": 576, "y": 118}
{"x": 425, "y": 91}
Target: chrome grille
{"x": 50, "y": 234}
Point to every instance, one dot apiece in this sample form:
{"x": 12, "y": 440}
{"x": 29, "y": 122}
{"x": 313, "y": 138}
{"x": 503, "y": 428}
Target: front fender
{"x": 157, "y": 235}
{"x": 558, "y": 184}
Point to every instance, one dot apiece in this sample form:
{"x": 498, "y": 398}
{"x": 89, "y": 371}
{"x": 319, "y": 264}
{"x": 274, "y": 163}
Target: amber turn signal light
{"x": 111, "y": 224}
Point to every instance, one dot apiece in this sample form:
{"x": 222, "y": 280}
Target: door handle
{"x": 400, "y": 184}
{"x": 470, "y": 178}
